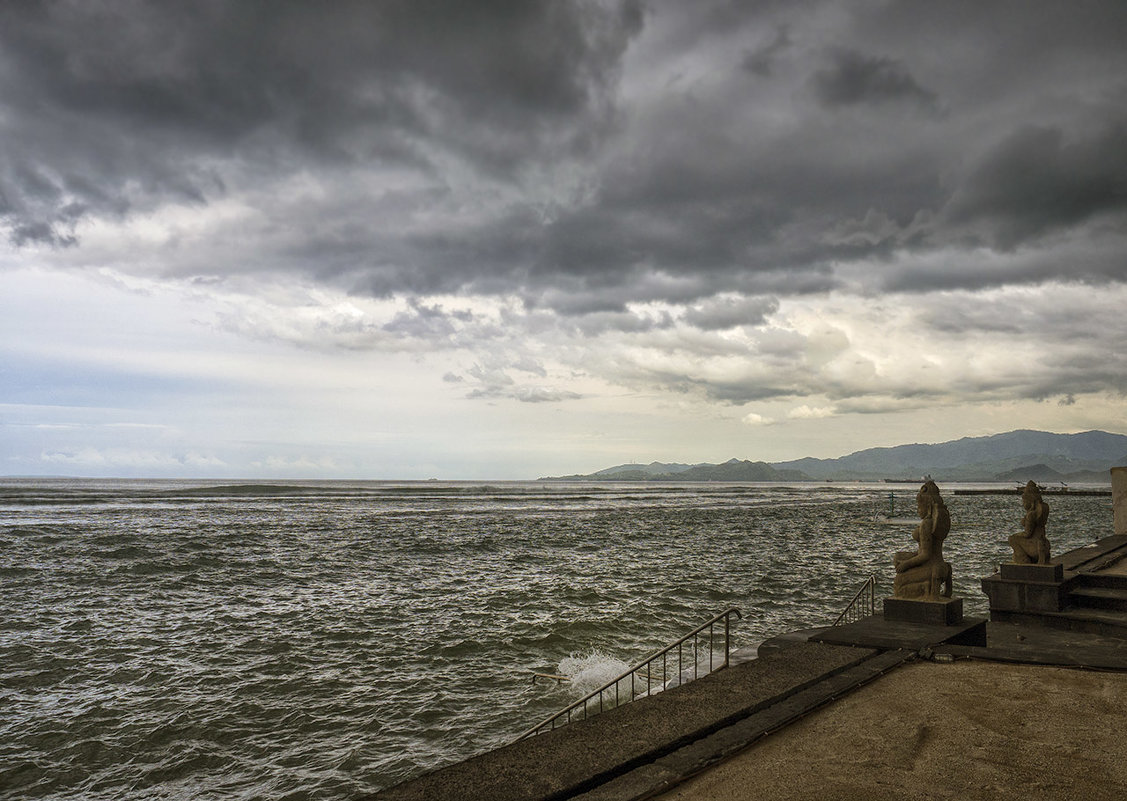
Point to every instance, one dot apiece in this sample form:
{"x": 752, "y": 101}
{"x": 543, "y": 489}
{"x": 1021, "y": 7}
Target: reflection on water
{"x": 180, "y": 640}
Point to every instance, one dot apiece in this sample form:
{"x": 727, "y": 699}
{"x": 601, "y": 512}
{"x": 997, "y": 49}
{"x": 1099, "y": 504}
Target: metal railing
{"x": 665, "y": 655}
{"x": 864, "y": 603}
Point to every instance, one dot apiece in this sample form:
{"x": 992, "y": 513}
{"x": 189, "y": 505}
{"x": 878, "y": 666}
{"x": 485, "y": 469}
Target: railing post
{"x": 727, "y": 637}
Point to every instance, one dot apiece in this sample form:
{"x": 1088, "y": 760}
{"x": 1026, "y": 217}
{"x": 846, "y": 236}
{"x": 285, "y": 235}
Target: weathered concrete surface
{"x": 968, "y": 730}
{"x": 586, "y": 753}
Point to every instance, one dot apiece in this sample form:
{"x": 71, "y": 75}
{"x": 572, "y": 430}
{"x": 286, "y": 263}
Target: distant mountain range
{"x": 1014, "y": 456}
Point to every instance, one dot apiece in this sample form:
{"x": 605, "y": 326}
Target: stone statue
{"x": 924, "y": 575}
{"x": 1030, "y": 545}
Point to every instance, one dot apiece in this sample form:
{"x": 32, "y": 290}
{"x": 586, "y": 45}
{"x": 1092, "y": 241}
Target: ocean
{"x": 319, "y": 640}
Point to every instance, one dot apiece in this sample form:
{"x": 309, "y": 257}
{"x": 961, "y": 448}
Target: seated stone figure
{"x": 924, "y": 575}
{"x": 1030, "y": 545}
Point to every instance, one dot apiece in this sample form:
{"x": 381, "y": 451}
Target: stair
{"x": 1108, "y": 580}
{"x": 1099, "y": 597}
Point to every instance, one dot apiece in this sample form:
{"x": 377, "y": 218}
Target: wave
{"x": 243, "y": 490}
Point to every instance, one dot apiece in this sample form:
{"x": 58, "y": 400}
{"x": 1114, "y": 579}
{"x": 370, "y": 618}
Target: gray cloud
{"x": 595, "y": 323}
{"x": 545, "y": 395}
{"x": 720, "y": 313}
{"x": 428, "y": 322}
{"x": 492, "y": 381}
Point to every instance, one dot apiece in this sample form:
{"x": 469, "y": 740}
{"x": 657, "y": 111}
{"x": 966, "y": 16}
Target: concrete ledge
{"x": 1091, "y": 556}
{"x": 934, "y": 613}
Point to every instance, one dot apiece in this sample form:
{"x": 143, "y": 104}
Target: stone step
{"x": 1096, "y": 597}
{"x": 1110, "y": 580}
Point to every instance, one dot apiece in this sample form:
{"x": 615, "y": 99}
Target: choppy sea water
{"x": 187, "y": 640}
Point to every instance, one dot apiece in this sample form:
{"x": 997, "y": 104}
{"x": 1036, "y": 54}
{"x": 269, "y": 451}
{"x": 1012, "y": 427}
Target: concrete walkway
{"x": 966, "y": 730}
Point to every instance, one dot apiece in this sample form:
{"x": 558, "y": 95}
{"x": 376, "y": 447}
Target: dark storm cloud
{"x": 856, "y": 78}
{"x": 581, "y": 156}
{"x": 760, "y": 61}
{"x": 1035, "y": 183}
{"x": 134, "y": 98}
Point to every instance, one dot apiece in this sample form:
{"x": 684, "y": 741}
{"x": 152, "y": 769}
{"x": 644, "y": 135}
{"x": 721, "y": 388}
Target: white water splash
{"x": 592, "y": 671}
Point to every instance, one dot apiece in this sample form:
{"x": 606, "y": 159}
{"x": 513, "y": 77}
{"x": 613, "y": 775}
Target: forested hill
{"x": 1037, "y": 455}
{"x": 731, "y": 470}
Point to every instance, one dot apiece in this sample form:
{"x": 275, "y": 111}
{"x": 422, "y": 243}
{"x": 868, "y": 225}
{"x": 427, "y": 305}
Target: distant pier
{"x": 1047, "y": 491}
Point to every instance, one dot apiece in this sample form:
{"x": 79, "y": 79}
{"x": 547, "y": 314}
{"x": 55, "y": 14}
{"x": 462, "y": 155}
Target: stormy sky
{"x": 511, "y": 239}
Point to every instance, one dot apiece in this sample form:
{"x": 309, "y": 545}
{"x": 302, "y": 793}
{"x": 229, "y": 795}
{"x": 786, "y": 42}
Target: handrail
{"x": 726, "y": 616}
{"x": 864, "y": 603}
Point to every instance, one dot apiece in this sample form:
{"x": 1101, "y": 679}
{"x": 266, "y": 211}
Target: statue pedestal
{"x": 1011, "y": 571}
{"x": 1026, "y": 588}
{"x": 947, "y": 612}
